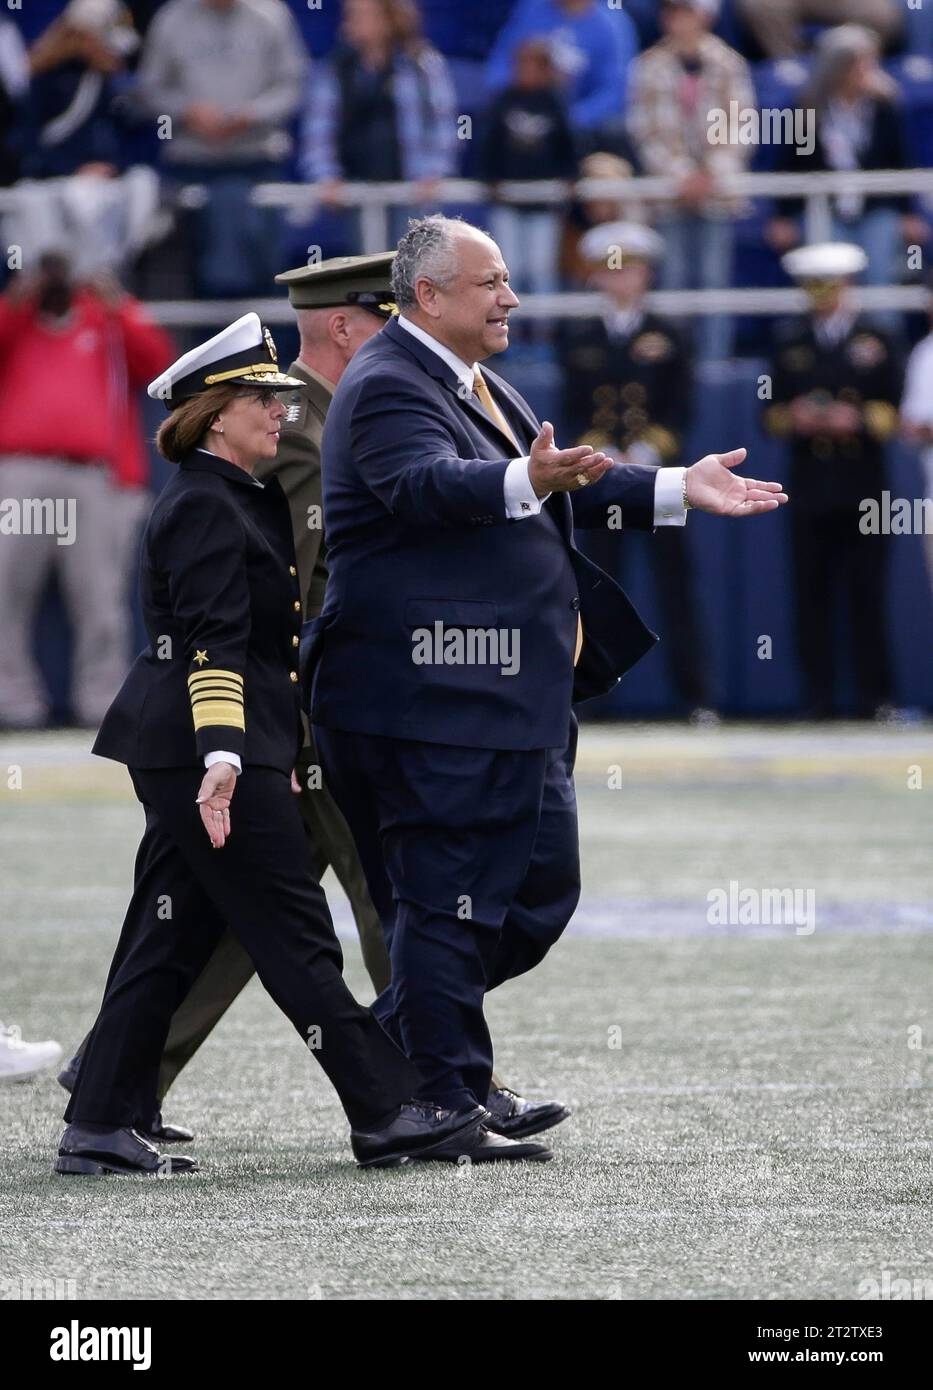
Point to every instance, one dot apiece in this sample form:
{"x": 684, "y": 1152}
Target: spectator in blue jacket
{"x": 592, "y": 46}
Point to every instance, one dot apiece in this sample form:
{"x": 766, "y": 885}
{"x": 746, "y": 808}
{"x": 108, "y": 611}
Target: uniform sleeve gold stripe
{"x": 217, "y": 671}
{"x": 223, "y": 712}
{"x": 233, "y": 692}
{"x": 220, "y": 695}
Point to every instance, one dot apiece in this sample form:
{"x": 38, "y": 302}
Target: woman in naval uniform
{"x": 208, "y": 725}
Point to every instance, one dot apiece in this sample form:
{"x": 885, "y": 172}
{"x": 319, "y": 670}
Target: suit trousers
{"x": 185, "y": 894}
{"x": 472, "y": 861}
{"x": 229, "y": 968}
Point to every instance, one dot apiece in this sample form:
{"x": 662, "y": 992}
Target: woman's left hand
{"x": 296, "y": 785}
{"x": 214, "y": 797}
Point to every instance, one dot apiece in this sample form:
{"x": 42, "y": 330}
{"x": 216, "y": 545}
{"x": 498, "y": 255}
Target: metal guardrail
{"x": 180, "y": 313}
{"x": 374, "y": 200}
{"x": 817, "y": 189}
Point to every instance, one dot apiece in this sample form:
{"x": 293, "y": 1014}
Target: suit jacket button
{"x": 574, "y": 604}
{"x": 292, "y": 571}
{"x": 293, "y": 676}
{"x": 297, "y": 606}
{"x": 295, "y": 641}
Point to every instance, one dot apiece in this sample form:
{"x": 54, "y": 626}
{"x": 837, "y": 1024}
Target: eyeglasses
{"x": 265, "y": 397}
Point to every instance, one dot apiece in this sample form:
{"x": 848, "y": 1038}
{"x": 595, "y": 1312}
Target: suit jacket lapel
{"x": 509, "y": 401}
{"x": 435, "y": 366}
{"x": 512, "y": 405}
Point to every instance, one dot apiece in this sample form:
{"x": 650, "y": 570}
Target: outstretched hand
{"x": 563, "y": 470}
{"x": 713, "y": 487}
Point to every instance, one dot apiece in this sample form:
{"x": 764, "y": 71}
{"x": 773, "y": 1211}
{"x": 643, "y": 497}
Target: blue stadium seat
{"x": 466, "y": 29}
{"x": 914, "y": 73}
{"x": 918, "y": 31}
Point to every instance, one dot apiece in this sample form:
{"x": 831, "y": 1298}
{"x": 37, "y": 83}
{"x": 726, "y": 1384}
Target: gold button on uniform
{"x": 297, "y": 606}
{"x": 293, "y": 676}
{"x": 295, "y": 641}
{"x": 292, "y": 570}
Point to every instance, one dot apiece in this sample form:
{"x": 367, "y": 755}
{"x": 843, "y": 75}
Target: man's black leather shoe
{"x": 482, "y": 1146}
{"x": 157, "y": 1132}
{"x": 516, "y": 1118}
{"x": 416, "y": 1131}
{"x": 95, "y": 1151}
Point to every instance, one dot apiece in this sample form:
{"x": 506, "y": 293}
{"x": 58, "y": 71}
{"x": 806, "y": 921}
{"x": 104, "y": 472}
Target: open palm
{"x": 713, "y": 487}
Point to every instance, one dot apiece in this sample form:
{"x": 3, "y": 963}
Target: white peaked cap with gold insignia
{"x": 827, "y": 260}
{"x": 631, "y": 240}
{"x": 243, "y": 353}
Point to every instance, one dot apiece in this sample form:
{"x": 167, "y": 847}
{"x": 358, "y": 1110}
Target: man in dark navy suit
{"x": 460, "y": 624}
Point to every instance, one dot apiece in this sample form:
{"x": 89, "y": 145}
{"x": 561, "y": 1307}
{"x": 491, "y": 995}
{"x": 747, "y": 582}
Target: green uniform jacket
{"x": 297, "y": 465}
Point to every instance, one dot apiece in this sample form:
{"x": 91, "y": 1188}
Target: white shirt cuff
{"x": 669, "y": 509}
{"x": 520, "y": 497}
{"x": 219, "y": 756}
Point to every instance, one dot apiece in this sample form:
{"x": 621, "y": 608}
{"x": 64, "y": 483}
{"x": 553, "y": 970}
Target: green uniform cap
{"x": 362, "y": 280}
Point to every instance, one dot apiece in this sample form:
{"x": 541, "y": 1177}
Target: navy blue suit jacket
{"x": 417, "y": 534}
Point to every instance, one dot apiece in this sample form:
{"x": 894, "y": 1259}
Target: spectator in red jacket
{"x": 73, "y": 475}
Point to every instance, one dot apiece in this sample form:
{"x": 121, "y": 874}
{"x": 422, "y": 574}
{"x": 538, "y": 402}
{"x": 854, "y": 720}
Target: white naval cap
{"x": 243, "y": 353}
{"x": 827, "y": 260}
{"x": 630, "y": 239}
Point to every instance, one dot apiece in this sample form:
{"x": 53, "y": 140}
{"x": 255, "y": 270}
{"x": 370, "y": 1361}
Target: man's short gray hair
{"x": 426, "y": 251}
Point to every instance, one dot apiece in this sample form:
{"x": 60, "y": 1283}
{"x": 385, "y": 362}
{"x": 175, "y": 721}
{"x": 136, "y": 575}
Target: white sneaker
{"x": 20, "y": 1060}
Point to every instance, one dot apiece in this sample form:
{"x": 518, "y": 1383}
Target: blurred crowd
{"x": 133, "y": 137}
{"x": 222, "y": 95}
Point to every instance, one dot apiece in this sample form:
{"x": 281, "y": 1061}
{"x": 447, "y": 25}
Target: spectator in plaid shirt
{"x": 381, "y": 109}
{"x": 674, "y": 86}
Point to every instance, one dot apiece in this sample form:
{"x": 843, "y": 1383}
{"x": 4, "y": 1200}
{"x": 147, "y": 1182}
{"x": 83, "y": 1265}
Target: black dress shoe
{"x": 161, "y": 1133}
{"x": 94, "y": 1151}
{"x": 416, "y": 1131}
{"x": 482, "y": 1146}
{"x": 156, "y": 1132}
{"x": 516, "y": 1118}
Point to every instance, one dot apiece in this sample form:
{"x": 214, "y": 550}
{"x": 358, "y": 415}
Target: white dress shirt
{"x": 520, "y": 498}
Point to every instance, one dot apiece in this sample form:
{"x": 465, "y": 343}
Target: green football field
{"x": 752, "y": 1098}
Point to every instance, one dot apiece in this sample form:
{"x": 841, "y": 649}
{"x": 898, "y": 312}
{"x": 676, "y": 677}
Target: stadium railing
{"x": 375, "y": 199}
